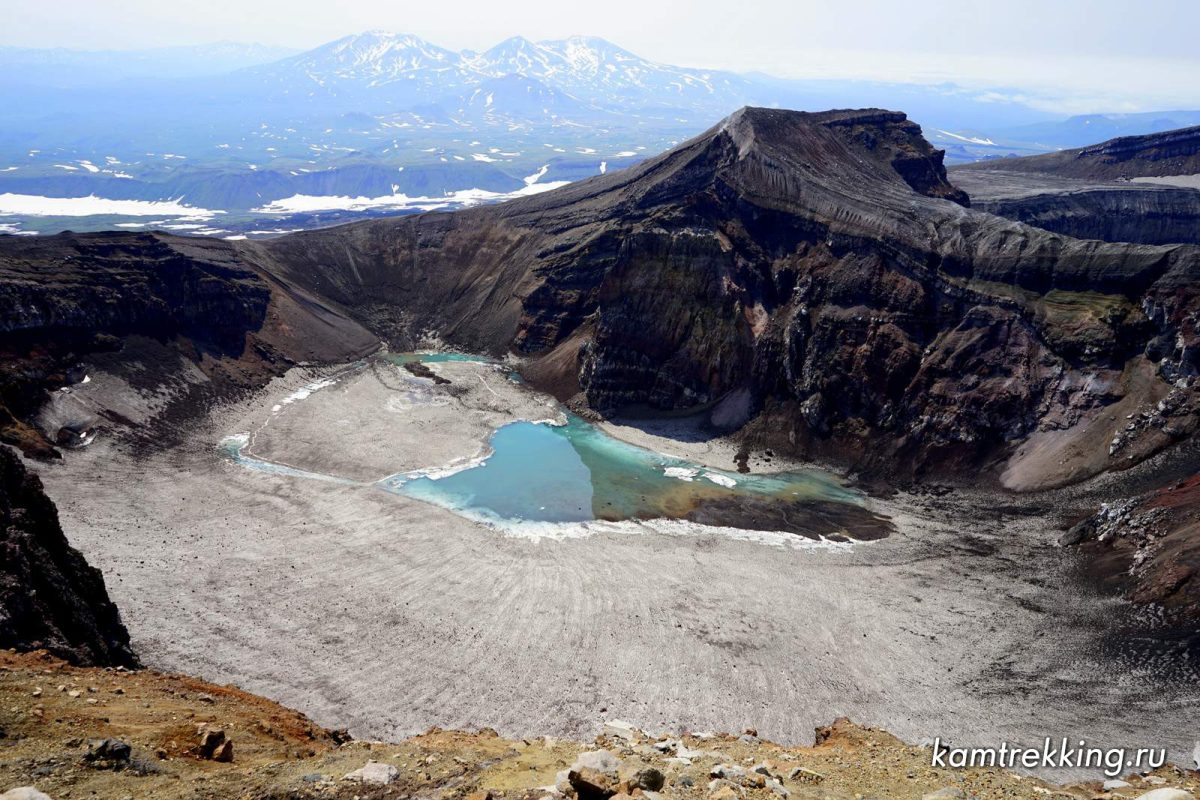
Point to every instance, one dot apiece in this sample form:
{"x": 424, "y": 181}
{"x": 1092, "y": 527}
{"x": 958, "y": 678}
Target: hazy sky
{"x": 1111, "y": 54}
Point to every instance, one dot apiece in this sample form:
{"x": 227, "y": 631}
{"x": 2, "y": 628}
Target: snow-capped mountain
{"x": 587, "y": 72}
{"x": 392, "y": 66}
{"x": 604, "y": 74}
{"x": 515, "y": 99}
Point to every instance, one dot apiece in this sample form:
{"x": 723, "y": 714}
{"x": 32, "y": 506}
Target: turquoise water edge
{"x": 546, "y": 472}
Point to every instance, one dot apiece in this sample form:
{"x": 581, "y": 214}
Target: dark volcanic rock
{"x": 49, "y": 597}
{"x": 1174, "y": 152}
{"x": 1115, "y": 211}
{"x": 811, "y": 260}
{"x": 126, "y": 283}
{"x": 69, "y": 297}
{"x": 65, "y": 296}
{"x": 816, "y": 277}
{"x": 1095, "y": 192}
{"x": 1149, "y": 547}
{"x": 819, "y": 268}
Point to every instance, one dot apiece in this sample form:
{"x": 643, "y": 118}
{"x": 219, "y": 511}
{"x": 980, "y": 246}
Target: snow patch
{"x": 303, "y": 203}
{"x": 537, "y": 176}
{"x": 38, "y": 206}
{"x": 968, "y": 139}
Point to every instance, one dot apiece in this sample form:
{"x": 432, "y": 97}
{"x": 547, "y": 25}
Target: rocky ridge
{"x": 813, "y": 280}
{"x": 1114, "y": 211}
{"x": 1121, "y": 190}
{"x": 1175, "y": 152}
{"x": 813, "y": 283}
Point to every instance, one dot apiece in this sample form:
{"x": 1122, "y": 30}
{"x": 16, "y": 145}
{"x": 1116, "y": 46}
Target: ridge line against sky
{"x": 1069, "y": 56}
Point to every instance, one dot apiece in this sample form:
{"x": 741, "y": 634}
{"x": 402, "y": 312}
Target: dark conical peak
{"x": 773, "y": 123}
{"x": 751, "y": 126}
{"x": 888, "y": 139}
{"x": 834, "y": 116}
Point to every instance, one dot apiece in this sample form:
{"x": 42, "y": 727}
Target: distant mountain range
{"x": 383, "y": 122}
{"x": 1088, "y": 129}
{"x": 68, "y": 68}
{"x": 575, "y": 74}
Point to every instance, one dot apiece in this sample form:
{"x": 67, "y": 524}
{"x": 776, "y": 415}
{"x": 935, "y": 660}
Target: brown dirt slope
{"x": 53, "y": 715}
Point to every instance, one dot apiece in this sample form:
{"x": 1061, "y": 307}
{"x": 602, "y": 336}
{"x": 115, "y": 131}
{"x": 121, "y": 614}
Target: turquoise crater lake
{"x": 575, "y": 472}
{"x": 542, "y": 472}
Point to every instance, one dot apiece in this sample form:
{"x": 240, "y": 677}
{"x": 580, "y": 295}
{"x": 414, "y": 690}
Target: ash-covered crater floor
{"x": 388, "y": 614}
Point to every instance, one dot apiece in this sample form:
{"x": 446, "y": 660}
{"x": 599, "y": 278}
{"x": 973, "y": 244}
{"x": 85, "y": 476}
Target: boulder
{"x": 647, "y": 779}
{"x": 594, "y": 775}
{"x": 24, "y": 793}
{"x": 374, "y": 773}
{"x": 947, "y": 793}
{"x": 110, "y": 752}
{"x": 620, "y": 729}
{"x": 598, "y": 760}
{"x": 211, "y": 741}
{"x": 592, "y": 784}
{"x": 224, "y": 753}
{"x": 728, "y": 771}
{"x": 1166, "y": 794}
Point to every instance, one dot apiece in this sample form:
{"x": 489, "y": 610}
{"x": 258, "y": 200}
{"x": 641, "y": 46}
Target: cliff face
{"x": 178, "y": 323}
{"x": 1114, "y": 212}
{"x": 120, "y": 283}
{"x": 1123, "y": 190}
{"x": 50, "y": 598}
{"x": 820, "y": 268}
{"x": 67, "y": 298}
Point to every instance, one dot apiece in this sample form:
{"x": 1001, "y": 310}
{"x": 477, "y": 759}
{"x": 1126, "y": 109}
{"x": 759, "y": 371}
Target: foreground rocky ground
{"x": 73, "y": 732}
